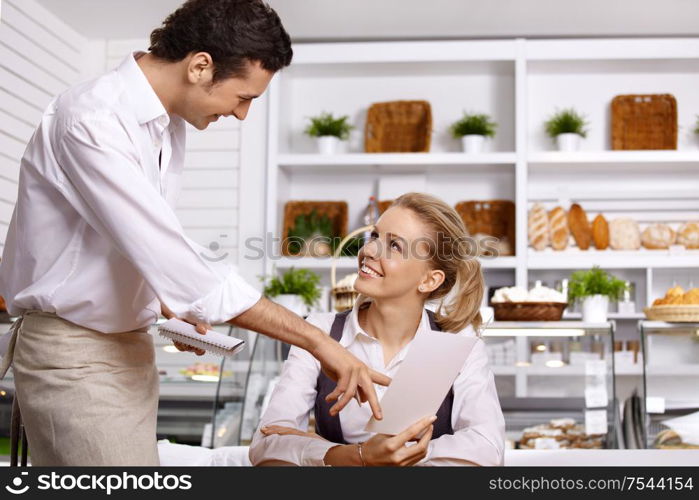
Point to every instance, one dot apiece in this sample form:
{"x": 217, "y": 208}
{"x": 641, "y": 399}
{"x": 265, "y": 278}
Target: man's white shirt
{"x": 94, "y": 237}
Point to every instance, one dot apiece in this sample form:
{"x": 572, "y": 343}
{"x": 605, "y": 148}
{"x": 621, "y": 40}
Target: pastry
{"x": 562, "y": 423}
{"x": 600, "y": 232}
{"x": 579, "y": 226}
{"x": 658, "y": 237}
{"x": 558, "y": 225}
{"x": 538, "y": 227}
{"x": 691, "y": 297}
{"x": 624, "y": 234}
{"x": 559, "y": 433}
{"x": 688, "y": 235}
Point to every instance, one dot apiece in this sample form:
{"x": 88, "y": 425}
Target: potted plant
{"x": 472, "y": 129}
{"x": 296, "y": 289}
{"x": 566, "y": 127}
{"x": 328, "y": 131}
{"x": 595, "y": 289}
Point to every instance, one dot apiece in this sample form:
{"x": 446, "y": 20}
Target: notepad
{"x": 423, "y": 380}
{"x": 213, "y": 342}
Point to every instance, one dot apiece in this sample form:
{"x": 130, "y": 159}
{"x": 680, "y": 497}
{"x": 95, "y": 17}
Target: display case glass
{"x": 556, "y": 383}
{"x": 671, "y": 384}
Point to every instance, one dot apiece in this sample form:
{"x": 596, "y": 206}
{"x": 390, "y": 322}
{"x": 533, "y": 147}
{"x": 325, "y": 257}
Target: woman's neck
{"x": 392, "y": 322}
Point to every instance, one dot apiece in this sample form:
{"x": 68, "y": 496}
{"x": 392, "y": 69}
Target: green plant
{"x": 595, "y": 282}
{"x": 473, "y": 124}
{"x": 301, "y": 282}
{"x": 567, "y": 121}
{"x": 317, "y": 231}
{"x": 325, "y": 124}
{"x": 307, "y": 227}
{"x": 696, "y": 127}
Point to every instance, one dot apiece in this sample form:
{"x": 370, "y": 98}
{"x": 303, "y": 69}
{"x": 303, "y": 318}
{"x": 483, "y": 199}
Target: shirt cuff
{"x": 229, "y": 299}
{"x": 314, "y": 452}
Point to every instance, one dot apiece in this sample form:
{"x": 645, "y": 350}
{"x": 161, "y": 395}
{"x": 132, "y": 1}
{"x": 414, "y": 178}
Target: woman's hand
{"x": 201, "y": 328}
{"x": 288, "y": 431}
{"x": 392, "y": 451}
{"x": 384, "y": 450}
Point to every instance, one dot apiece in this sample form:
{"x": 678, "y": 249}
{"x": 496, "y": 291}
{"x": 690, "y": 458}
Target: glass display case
{"x": 671, "y": 384}
{"x": 235, "y": 418}
{"x": 556, "y": 383}
{"x": 193, "y": 388}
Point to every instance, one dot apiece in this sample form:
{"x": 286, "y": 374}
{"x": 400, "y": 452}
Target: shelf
{"x": 350, "y": 263}
{"x": 391, "y": 161}
{"x": 635, "y": 157}
{"x": 568, "y": 370}
{"x": 673, "y": 370}
{"x": 612, "y": 259}
{"x": 611, "y": 315}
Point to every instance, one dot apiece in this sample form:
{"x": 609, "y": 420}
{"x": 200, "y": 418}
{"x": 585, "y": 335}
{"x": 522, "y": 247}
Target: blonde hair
{"x": 463, "y": 274}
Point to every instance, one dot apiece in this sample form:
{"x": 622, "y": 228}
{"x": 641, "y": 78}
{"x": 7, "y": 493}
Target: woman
{"x": 417, "y": 253}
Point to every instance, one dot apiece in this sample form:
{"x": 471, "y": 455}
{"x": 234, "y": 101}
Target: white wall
{"x": 39, "y": 58}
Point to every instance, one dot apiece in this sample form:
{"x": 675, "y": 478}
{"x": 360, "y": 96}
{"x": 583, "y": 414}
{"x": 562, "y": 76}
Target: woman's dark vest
{"x": 330, "y": 428}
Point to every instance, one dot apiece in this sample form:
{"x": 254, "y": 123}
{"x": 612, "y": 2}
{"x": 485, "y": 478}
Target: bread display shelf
{"x": 612, "y": 259}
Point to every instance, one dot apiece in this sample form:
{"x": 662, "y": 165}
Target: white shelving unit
{"x": 519, "y": 83}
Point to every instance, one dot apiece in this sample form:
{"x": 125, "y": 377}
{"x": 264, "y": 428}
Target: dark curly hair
{"x": 232, "y": 32}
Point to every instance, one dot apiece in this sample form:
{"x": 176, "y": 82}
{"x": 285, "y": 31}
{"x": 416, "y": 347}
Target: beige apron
{"x": 86, "y": 398}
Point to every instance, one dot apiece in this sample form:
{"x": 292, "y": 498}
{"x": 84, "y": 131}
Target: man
{"x": 95, "y": 252}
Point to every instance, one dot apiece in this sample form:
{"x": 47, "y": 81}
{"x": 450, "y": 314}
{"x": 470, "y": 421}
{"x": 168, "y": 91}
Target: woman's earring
{"x": 420, "y": 288}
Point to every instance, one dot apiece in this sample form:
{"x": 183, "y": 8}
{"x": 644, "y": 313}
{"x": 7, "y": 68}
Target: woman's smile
{"x": 365, "y": 271}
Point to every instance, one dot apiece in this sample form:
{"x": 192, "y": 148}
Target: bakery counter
{"x": 621, "y": 458}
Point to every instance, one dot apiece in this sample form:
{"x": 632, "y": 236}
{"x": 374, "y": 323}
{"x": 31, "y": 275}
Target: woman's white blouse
{"x": 479, "y": 427}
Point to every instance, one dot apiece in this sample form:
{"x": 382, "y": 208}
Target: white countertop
{"x": 625, "y": 458}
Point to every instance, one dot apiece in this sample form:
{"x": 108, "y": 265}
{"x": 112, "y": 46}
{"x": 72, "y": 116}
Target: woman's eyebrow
{"x": 394, "y": 235}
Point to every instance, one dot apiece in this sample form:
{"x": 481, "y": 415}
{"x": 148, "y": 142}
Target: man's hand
{"x": 201, "y": 328}
{"x": 354, "y": 378}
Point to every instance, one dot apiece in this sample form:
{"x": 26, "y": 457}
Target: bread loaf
{"x": 688, "y": 235}
{"x": 538, "y": 227}
{"x": 600, "y": 232}
{"x": 558, "y": 224}
{"x": 579, "y": 226}
{"x": 658, "y": 237}
{"x": 624, "y": 234}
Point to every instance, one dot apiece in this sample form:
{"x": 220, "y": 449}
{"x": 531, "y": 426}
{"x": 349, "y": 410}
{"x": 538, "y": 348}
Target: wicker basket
{"x": 644, "y": 122}
{"x": 335, "y": 210}
{"x": 398, "y": 127}
{"x": 529, "y": 311}
{"x": 492, "y": 217}
{"x": 673, "y": 314}
{"x": 383, "y": 205}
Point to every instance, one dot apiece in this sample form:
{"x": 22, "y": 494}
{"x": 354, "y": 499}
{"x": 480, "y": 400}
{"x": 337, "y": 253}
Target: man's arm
{"x": 102, "y": 180}
{"x": 352, "y": 376}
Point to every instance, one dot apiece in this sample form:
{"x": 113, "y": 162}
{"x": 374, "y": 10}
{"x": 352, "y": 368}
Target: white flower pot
{"x": 594, "y": 309}
{"x": 568, "y": 142}
{"x": 328, "y": 144}
{"x": 292, "y": 302}
{"x": 473, "y": 143}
